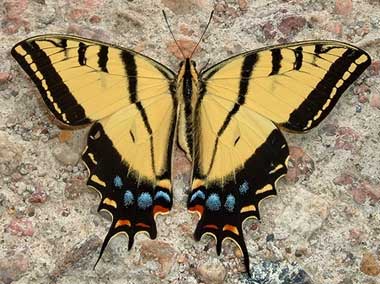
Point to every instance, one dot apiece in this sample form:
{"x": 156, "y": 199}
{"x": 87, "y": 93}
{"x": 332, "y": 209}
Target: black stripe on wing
{"x": 53, "y": 90}
{"x": 299, "y": 58}
{"x": 223, "y": 208}
{"x": 245, "y": 75}
{"x": 82, "y": 53}
{"x": 327, "y": 92}
{"x": 103, "y": 58}
{"x": 131, "y": 71}
{"x": 276, "y": 61}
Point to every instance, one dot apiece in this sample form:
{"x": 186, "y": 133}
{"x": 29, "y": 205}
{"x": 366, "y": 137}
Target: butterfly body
{"x": 187, "y": 92}
{"x": 226, "y": 119}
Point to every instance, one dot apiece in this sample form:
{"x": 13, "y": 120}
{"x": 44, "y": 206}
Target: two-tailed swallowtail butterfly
{"x": 225, "y": 118}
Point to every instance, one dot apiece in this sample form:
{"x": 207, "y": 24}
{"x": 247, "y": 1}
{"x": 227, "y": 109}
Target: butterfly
{"x": 226, "y": 118}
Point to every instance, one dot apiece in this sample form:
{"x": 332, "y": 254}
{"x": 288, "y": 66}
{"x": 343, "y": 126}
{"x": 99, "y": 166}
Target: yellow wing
{"x": 131, "y": 100}
{"x": 294, "y": 85}
{"x": 83, "y": 80}
{"x": 241, "y": 153}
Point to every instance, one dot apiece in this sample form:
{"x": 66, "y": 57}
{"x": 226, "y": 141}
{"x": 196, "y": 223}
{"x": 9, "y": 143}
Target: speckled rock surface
{"x": 323, "y": 227}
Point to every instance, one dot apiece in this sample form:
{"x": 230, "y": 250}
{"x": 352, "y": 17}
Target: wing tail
{"x": 222, "y": 226}
{"x": 223, "y": 207}
{"x": 132, "y": 203}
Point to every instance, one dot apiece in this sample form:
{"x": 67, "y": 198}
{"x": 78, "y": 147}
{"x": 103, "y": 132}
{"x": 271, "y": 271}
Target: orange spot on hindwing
{"x": 211, "y": 226}
{"x": 123, "y": 222}
{"x": 198, "y": 209}
{"x": 142, "y": 225}
{"x": 231, "y": 228}
{"x": 157, "y": 209}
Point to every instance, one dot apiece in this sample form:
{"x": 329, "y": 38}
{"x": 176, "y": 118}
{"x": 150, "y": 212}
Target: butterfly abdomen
{"x": 187, "y": 92}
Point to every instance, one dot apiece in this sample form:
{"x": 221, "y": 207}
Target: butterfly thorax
{"x": 187, "y": 92}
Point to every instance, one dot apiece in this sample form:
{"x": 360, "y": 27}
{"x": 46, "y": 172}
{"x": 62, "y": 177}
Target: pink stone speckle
{"x": 15, "y": 8}
{"x": 268, "y": 30}
{"x": 77, "y": 14}
{"x": 13, "y": 19}
{"x": 335, "y": 28}
{"x": 375, "y": 101}
{"x": 243, "y": 4}
{"x": 375, "y": 68}
{"x": 161, "y": 251}
{"x": 13, "y": 267}
{"x": 343, "y": 179}
{"x": 186, "y": 30}
{"x": 343, "y": 7}
{"x": 95, "y": 19}
{"x": 292, "y": 24}
{"x": 93, "y": 4}
{"x": 366, "y": 190}
{"x": 5, "y": 77}
{"x": 356, "y": 236}
{"x": 299, "y": 164}
{"x": 39, "y": 196}
{"x": 346, "y": 138}
{"x": 361, "y": 89}
{"x": 363, "y": 99}
{"x": 186, "y": 46}
{"x": 21, "y": 227}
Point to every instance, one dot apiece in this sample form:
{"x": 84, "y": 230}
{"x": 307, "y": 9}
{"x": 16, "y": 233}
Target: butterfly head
{"x": 187, "y": 70}
{"x": 187, "y": 61}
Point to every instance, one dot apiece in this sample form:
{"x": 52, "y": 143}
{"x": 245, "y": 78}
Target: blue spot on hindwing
{"x": 230, "y": 203}
{"x": 118, "y": 182}
{"x": 144, "y": 201}
{"x": 197, "y": 194}
{"x": 128, "y": 198}
{"x": 213, "y": 202}
{"x": 244, "y": 187}
{"x": 163, "y": 195}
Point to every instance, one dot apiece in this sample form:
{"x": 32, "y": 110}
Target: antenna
{"x": 208, "y": 23}
{"x": 171, "y": 32}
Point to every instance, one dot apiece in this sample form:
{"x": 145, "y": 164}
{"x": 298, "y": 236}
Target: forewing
{"x": 294, "y": 85}
{"x": 82, "y": 80}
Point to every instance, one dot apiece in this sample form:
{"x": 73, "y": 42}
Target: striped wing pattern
{"x": 243, "y": 100}
{"x": 294, "y": 85}
{"x": 130, "y": 99}
{"x": 83, "y": 81}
